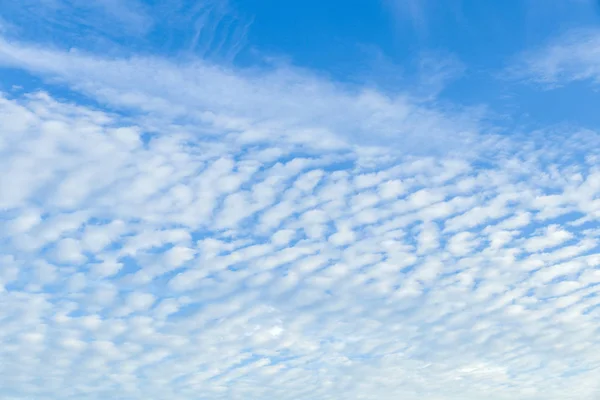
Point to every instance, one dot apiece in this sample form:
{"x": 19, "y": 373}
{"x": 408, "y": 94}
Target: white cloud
{"x": 552, "y": 237}
{"x": 106, "y": 268}
{"x": 258, "y": 106}
{"x": 147, "y": 256}
{"x": 140, "y": 301}
{"x": 68, "y": 250}
{"x": 575, "y": 56}
{"x": 462, "y": 243}
{"x": 428, "y": 238}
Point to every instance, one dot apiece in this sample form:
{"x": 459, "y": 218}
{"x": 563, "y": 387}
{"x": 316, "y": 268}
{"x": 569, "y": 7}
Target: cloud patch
{"x": 257, "y": 106}
{"x": 170, "y": 263}
{"x": 572, "y": 57}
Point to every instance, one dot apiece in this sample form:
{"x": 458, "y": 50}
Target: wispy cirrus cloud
{"x": 412, "y": 11}
{"x": 87, "y": 18}
{"x": 279, "y": 101}
{"x": 574, "y": 56}
{"x": 208, "y": 29}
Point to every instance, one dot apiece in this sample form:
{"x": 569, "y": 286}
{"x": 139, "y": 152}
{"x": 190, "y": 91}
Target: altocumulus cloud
{"x": 237, "y": 235}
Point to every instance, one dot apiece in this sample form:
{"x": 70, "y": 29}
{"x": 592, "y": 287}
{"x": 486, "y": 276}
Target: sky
{"x": 385, "y": 199}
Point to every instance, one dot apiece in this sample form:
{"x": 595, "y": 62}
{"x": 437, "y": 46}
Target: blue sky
{"x": 456, "y": 50}
{"x": 287, "y": 200}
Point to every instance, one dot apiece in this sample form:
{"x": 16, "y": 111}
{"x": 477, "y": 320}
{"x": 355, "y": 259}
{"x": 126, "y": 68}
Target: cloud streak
{"x": 281, "y": 101}
{"x": 210, "y": 30}
{"x": 575, "y": 56}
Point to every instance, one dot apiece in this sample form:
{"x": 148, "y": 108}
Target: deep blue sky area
{"x": 481, "y": 33}
{"x": 382, "y": 42}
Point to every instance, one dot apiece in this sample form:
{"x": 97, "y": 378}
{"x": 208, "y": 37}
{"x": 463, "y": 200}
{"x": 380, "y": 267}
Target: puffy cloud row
{"x": 166, "y": 264}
